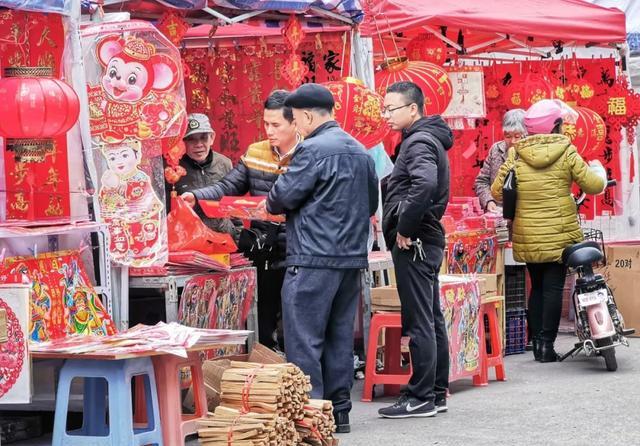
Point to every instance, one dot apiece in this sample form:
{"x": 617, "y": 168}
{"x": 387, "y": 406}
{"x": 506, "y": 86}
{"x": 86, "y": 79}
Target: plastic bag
{"x": 188, "y": 233}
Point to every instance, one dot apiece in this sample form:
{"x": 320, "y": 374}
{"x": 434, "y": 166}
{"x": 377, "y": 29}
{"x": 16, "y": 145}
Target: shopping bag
{"x": 187, "y": 232}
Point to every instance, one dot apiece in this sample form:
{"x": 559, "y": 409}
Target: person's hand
{"x": 189, "y": 198}
{"x": 596, "y": 164}
{"x": 492, "y": 207}
{"x": 404, "y": 243}
{"x": 262, "y": 206}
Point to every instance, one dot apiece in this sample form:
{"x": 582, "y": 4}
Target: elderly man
{"x": 513, "y": 130}
{"x": 255, "y": 174}
{"x": 416, "y": 198}
{"x": 328, "y": 194}
{"x": 204, "y": 167}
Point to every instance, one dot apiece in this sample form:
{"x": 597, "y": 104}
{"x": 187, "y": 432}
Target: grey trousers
{"x": 318, "y": 313}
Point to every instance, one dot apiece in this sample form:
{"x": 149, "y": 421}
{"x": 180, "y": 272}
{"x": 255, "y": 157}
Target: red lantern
{"x": 432, "y": 79}
{"x": 527, "y": 90}
{"x": 36, "y": 107}
{"x": 588, "y": 133}
{"x": 427, "y": 48}
{"x": 358, "y": 110}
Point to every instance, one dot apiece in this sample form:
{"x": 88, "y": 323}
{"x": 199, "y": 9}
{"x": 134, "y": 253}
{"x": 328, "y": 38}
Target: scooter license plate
{"x": 592, "y": 298}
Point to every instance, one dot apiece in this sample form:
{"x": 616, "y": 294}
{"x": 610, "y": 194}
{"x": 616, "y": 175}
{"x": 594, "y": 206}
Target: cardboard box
{"x": 490, "y": 284}
{"x": 385, "y": 299}
{"x": 624, "y": 257}
{"x": 622, "y": 274}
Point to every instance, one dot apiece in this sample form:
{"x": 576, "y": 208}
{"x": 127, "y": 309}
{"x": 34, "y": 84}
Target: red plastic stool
{"x": 175, "y": 425}
{"x": 494, "y": 357}
{"x": 393, "y": 375}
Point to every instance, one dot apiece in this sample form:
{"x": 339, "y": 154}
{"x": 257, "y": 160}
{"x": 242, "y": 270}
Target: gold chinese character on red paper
{"x": 20, "y": 173}
{"x": 53, "y": 178}
{"x": 21, "y": 204}
{"x": 617, "y": 106}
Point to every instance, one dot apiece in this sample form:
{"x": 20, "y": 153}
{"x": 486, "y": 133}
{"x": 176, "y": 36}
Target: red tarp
{"x": 543, "y": 20}
{"x": 254, "y": 30}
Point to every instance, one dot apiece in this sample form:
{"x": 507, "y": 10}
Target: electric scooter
{"x": 599, "y": 324}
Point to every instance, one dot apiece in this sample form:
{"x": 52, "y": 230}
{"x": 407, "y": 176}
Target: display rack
{"x": 171, "y": 284}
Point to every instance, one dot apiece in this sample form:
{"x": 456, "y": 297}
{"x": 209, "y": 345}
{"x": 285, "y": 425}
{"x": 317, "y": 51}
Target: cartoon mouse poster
{"x": 135, "y": 86}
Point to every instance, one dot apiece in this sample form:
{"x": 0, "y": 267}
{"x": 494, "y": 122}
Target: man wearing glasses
{"x": 415, "y": 200}
{"x": 204, "y": 167}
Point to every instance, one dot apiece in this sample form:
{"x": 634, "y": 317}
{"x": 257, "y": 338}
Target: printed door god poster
{"x": 218, "y": 300}
{"x": 63, "y": 300}
{"x": 471, "y": 252}
{"x": 460, "y": 303}
{"x": 15, "y": 366}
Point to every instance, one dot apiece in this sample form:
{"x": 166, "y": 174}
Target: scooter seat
{"x": 580, "y": 254}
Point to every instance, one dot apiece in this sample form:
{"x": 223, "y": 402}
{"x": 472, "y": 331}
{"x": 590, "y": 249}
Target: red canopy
{"x": 536, "y": 22}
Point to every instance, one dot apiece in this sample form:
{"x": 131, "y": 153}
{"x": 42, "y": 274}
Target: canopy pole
{"x": 331, "y": 14}
{"x": 445, "y": 39}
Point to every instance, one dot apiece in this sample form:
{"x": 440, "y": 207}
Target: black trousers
{"x": 545, "y": 301}
{"x": 422, "y": 320}
{"x": 269, "y": 302}
{"x": 318, "y": 312}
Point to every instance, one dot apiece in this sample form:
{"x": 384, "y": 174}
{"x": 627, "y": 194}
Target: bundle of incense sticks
{"x": 317, "y": 426}
{"x": 280, "y": 389}
{"x": 231, "y": 427}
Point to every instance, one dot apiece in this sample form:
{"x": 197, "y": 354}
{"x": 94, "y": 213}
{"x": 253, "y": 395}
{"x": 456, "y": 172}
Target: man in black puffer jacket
{"x": 265, "y": 242}
{"x": 329, "y": 193}
{"x": 416, "y": 198}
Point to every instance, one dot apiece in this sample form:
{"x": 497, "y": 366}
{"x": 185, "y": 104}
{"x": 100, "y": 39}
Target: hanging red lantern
{"x": 432, "y": 79}
{"x": 427, "y": 48}
{"x": 358, "y": 110}
{"x": 527, "y": 90}
{"x": 35, "y": 105}
{"x": 588, "y": 133}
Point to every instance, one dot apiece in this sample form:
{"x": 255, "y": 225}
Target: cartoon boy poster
{"x": 131, "y": 207}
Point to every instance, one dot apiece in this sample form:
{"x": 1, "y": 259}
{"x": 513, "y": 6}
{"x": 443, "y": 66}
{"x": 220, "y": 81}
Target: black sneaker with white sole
{"x": 409, "y": 407}
{"x": 441, "y": 403}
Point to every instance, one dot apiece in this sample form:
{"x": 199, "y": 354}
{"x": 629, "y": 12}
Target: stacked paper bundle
{"x": 266, "y": 388}
{"x": 266, "y": 405}
{"x": 317, "y": 426}
{"x": 169, "y": 338}
{"x": 231, "y": 427}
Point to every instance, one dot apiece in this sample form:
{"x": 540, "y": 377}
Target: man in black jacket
{"x": 416, "y": 198}
{"x": 265, "y": 242}
{"x": 329, "y": 194}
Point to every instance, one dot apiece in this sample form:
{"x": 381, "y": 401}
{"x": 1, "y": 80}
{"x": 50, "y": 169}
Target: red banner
{"x": 230, "y": 84}
{"x": 34, "y": 191}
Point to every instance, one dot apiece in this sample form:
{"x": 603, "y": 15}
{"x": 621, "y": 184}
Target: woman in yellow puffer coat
{"x": 546, "y": 221}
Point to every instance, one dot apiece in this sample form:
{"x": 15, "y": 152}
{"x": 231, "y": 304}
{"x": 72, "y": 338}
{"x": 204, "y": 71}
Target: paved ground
{"x": 573, "y": 403}
{"x": 576, "y": 402}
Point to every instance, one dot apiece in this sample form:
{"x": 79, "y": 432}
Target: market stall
{"x": 89, "y": 207}
{"x": 473, "y": 63}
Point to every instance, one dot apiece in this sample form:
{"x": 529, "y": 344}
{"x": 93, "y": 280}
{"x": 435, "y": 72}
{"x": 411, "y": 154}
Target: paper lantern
{"x": 526, "y": 91}
{"x": 432, "y": 79}
{"x": 358, "y": 110}
{"x": 427, "y": 48}
{"x": 588, "y": 133}
{"x": 35, "y": 105}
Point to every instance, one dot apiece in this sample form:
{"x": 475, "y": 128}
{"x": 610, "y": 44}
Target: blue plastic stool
{"x": 117, "y": 375}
